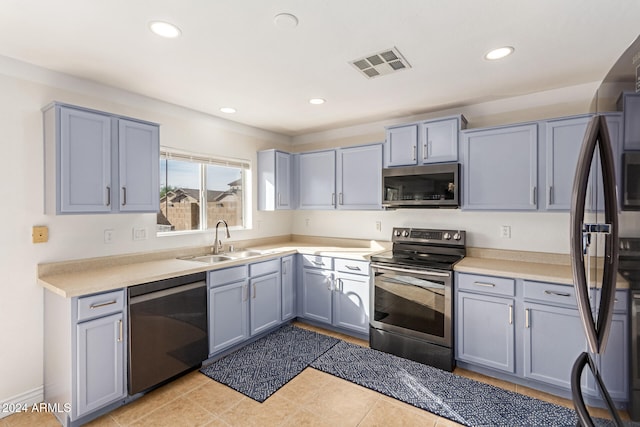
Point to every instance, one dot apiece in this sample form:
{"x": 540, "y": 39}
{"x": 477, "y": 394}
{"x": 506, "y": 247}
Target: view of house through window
{"x": 196, "y": 192}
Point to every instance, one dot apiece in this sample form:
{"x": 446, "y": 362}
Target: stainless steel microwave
{"x": 428, "y": 186}
{"x": 631, "y": 181}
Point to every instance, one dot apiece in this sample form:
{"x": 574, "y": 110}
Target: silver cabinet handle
{"x": 340, "y": 199}
{"x": 92, "y": 306}
{"x": 550, "y": 194}
{"x": 333, "y": 199}
{"x": 486, "y": 285}
{"x": 284, "y": 267}
{"x": 245, "y": 295}
{"x": 425, "y": 151}
{"x": 108, "y": 195}
{"x": 534, "y": 194}
{"x": 124, "y": 196}
{"x": 329, "y": 283}
{"x": 120, "y": 330}
{"x": 254, "y": 291}
{"x": 320, "y": 264}
{"x": 526, "y": 318}
{"x": 415, "y": 152}
{"x": 279, "y": 199}
{"x": 511, "y": 314}
{"x": 556, "y": 293}
{"x": 353, "y": 267}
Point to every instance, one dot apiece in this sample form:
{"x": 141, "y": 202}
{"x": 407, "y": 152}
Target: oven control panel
{"x": 424, "y": 235}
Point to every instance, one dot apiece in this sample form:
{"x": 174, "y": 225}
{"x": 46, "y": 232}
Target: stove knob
{"x": 397, "y": 233}
{"x": 405, "y": 233}
{"x": 446, "y": 236}
{"x": 457, "y": 236}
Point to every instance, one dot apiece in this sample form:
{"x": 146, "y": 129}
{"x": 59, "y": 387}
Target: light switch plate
{"x": 40, "y": 234}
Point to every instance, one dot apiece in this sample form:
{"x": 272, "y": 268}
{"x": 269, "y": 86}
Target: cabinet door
{"x": 100, "y": 363}
{"x": 288, "y": 288}
{"x": 553, "y": 339}
{"x": 485, "y": 331}
{"x": 283, "y": 180}
{"x": 139, "y": 158}
{"x": 439, "y": 141}
{"x": 266, "y": 300}
{"x": 351, "y": 302}
{"x": 401, "y": 148}
{"x": 631, "y": 110}
{"x": 317, "y": 289}
{"x": 614, "y": 362}
{"x": 500, "y": 168}
{"x": 228, "y": 315}
{"x": 317, "y": 180}
{"x": 359, "y": 177}
{"x": 84, "y": 171}
{"x": 563, "y": 141}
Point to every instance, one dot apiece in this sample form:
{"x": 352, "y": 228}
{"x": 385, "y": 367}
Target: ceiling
{"x": 231, "y": 53}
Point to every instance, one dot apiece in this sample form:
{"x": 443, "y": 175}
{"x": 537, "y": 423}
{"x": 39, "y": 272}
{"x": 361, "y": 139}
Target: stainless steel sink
{"x": 243, "y": 254}
{"x": 209, "y": 259}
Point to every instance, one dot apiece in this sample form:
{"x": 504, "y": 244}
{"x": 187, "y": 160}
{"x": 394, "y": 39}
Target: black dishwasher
{"x": 167, "y": 329}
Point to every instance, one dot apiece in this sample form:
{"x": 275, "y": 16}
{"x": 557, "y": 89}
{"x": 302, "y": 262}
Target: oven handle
{"x": 166, "y": 292}
{"x": 405, "y": 270}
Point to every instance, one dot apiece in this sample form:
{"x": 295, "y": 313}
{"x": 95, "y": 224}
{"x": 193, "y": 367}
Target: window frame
{"x": 204, "y": 160}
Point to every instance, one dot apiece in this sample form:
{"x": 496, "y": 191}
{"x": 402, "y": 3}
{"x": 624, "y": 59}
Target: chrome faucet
{"x": 217, "y": 244}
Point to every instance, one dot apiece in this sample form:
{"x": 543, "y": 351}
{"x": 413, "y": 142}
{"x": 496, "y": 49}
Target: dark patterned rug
{"x": 457, "y": 398}
{"x": 259, "y": 369}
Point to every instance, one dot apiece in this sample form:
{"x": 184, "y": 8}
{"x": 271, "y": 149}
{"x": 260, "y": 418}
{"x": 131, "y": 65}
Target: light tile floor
{"x": 313, "y": 398}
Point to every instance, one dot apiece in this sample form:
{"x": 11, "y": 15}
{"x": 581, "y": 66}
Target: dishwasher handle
{"x": 166, "y": 292}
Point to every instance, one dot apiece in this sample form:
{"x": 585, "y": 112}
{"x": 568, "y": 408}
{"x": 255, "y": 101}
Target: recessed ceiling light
{"x": 228, "y": 110}
{"x": 285, "y": 20}
{"x": 499, "y": 53}
{"x": 317, "y": 101}
{"x": 164, "y": 29}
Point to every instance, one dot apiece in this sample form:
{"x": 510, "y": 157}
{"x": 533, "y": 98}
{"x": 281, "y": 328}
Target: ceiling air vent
{"x": 381, "y": 63}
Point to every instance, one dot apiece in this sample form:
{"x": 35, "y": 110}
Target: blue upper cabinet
{"x": 431, "y": 141}
{"x": 629, "y": 103}
{"x": 138, "y": 159}
{"x": 359, "y": 177}
{"x": 317, "y": 180}
{"x": 500, "y": 168}
{"x": 562, "y": 143}
{"x": 274, "y": 180}
{"x": 401, "y": 148}
{"x": 99, "y": 163}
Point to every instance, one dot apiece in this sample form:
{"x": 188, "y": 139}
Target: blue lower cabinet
{"x": 485, "y": 333}
{"x": 287, "y": 281}
{"x": 228, "y": 315}
{"x": 614, "y": 363}
{"x": 553, "y": 339}
{"x": 351, "y": 302}
{"x": 265, "y": 303}
{"x": 317, "y": 290}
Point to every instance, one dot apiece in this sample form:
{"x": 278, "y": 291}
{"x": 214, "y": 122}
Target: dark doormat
{"x": 457, "y": 398}
{"x": 259, "y": 369}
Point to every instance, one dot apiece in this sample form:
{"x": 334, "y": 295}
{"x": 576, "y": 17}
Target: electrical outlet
{"x": 505, "y": 231}
{"x": 40, "y": 234}
{"x": 378, "y": 225}
{"x": 139, "y": 234}
{"x": 108, "y": 236}
{"x": 306, "y": 221}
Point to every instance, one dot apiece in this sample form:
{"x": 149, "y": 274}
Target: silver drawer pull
{"x": 318, "y": 263}
{"x": 559, "y": 294}
{"x": 351, "y": 267}
{"x": 120, "y": 330}
{"x": 92, "y": 306}
{"x": 486, "y": 285}
{"x": 511, "y": 314}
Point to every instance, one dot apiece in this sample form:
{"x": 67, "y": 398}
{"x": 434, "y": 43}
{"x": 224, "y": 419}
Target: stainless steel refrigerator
{"x": 595, "y": 227}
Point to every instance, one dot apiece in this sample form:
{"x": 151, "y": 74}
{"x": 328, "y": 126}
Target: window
{"x": 197, "y": 191}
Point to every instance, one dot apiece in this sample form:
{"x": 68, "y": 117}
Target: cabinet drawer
{"x": 317, "y": 261}
{"x": 99, "y": 305}
{"x": 550, "y": 292}
{"x": 227, "y": 275}
{"x": 265, "y": 267}
{"x": 351, "y": 266}
{"x": 486, "y": 284}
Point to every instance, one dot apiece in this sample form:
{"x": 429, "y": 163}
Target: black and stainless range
{"x": 629, "y": 268}
{"x": 412, "y": 295}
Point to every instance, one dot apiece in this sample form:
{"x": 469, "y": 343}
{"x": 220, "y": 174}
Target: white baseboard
{"x": 21, "y": 401}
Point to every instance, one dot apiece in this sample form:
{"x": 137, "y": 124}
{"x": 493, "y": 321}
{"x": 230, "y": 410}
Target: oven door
{"x": 412, "y": 302}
